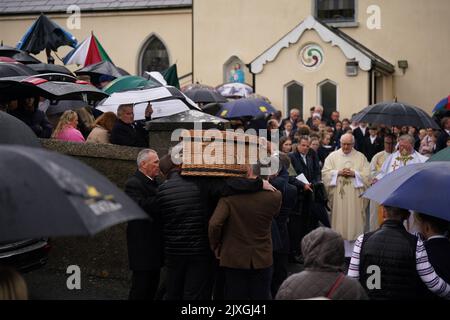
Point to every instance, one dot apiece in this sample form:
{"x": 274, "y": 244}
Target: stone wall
{"x": 105, "y": 254}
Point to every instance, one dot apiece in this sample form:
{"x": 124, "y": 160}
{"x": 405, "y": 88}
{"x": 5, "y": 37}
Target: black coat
{"x": 132, "y": 135}
{"x": 438, "y": 250}
{"x": 359, "y": 138}
{"x": 36, "y": 120}
{"x": 370, "y": 149}
{"x": 441, "y": 142}
{"x": 280, "y": 233}
{"x": 187, "y": 203}
{"x": 144, "y": 237}
{"x": 311, "y": 169}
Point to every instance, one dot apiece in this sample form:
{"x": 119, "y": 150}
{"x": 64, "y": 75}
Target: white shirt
{"x": 372, "y": 139}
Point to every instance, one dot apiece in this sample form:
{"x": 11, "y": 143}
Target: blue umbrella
{"x": 422, "y": 187}
{"x": 246, "y": 107}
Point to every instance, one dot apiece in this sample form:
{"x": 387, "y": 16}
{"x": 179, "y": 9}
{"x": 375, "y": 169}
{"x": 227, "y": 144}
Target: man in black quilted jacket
{"x": 186, "y": 204}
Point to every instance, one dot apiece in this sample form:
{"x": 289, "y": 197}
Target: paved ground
{"x": 50, "y": 283}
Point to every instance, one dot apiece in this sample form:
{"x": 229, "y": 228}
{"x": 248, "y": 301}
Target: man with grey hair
{"x": 294, "y": 116}
{"x": 346, "y": 175}
{"x": 126, "y": 131}
{"x": 405, "y": 155}
{"x": 144, "y": 237}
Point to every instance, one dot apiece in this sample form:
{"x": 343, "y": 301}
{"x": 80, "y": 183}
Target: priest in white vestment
{"x": 346, "y": 175}
{"x": 405, "y": 155}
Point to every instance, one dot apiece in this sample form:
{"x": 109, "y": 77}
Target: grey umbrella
{"x": 50, "y": 68}
{"x": 204, "y": 95}
{"x": 15, "y": 69}
{"x": 14, "y": 131}
{"x": 46, "y": 194}
{"x": 102, "y": 68}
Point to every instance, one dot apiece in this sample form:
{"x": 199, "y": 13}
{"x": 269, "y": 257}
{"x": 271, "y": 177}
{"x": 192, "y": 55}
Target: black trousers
{"x": 248, "y": 284}
{"x": 280, "y": 271}
{"x": 144, "y": 284}
{"x": 189, "y": 277}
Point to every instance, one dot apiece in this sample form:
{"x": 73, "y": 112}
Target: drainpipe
{"x": 192, "y": 45}
{"x": 370, "y": 86}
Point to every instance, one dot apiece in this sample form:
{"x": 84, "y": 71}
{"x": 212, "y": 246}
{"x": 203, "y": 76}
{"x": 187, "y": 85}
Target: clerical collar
{"x": 148, "y": 177}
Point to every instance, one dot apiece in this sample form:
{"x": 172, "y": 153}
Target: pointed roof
{"x": 351, "y": 48}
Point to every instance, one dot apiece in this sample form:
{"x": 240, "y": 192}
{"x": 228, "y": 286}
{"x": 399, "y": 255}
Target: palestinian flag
{"x": 88, "y": 52}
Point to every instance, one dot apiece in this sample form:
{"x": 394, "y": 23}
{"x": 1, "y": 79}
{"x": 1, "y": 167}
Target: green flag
{"x": 171, "y": 76}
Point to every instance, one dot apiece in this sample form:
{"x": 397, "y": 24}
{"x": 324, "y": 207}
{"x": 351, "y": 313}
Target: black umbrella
{"x": 72, "y": 91}
{"x": 15, "y": 69}
{"x": 46, "y": 194}
{"x": 7, "y": 51}
{"x": 14, "y": 131}
{"x": 205, "y": 95}
{"x": 102, "y": 68}
{"x": 63, "y": 105}
{"x": 395, "y": 114}
{"x": 16, "y": 87}
{"x": 45, "y": 34}
{"x": 50, "y": 68}
{"x": 211, "y": 108}
{"x": 25, "y": 58}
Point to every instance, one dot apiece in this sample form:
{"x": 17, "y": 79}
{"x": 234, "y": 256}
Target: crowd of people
{"x": 233, "y": 238}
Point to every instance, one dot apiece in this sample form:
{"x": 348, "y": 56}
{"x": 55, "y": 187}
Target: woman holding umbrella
{"x": 66, "y": 129}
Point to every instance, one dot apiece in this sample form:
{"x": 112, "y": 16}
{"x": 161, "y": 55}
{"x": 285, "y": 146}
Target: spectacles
{"x": 347, "y": 144}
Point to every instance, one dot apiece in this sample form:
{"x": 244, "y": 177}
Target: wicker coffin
{"x": 217, "y": 153}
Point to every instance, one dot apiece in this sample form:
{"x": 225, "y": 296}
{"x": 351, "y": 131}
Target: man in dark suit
{"x": 240, "y": 235}
{"x": 441, "y": 142}
{"x": 360, "y": 133}
{"x": 302, "y": 222}
{"x": 126, "y": 131}
{"x": 372, "y": 144}
{"x": 144, "y": 237}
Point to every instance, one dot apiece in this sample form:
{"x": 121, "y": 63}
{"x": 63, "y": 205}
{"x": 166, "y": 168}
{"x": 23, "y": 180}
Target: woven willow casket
{"x": 217, "y": 153}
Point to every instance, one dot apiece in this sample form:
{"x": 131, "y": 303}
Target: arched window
{"x": 234, "y": 70}
{"x": 293, "y": 93}
{"x": 328, "y": 97}
{"x": 154, "y": 56}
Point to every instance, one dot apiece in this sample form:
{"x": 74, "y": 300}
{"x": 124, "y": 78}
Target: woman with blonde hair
{"x": 102, "y": 128}
{"x": 12, "y": 285}
{"x": 66, "y": 129}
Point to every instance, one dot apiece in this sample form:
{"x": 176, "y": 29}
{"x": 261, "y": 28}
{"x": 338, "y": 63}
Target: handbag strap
{"x": 335, "y": 285}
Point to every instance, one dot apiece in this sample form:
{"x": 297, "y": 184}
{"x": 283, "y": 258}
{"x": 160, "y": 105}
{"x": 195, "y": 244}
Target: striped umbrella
{"x": 88, "y": 52}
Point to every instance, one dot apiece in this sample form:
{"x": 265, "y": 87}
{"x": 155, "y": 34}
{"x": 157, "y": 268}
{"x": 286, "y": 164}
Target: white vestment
{"x": 348, "y": 209}
{"x": 396, "y": 161}
{"x": 392, "y": 163}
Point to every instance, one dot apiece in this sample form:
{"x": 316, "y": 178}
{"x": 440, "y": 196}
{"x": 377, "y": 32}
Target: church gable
{"x": 352, "y": 49}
